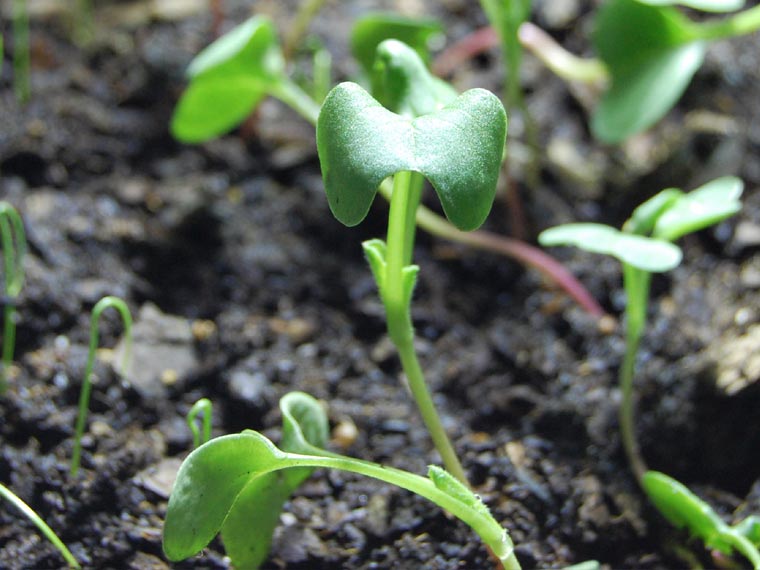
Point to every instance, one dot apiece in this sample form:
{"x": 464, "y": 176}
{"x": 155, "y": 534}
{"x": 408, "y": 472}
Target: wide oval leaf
{"x": 652, "y": 53}
{"x": 227, "y": 80}
{"x": 459, "y": 149}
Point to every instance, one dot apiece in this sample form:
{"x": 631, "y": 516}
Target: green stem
{"x": 407, "y": 188}
{"x": 636, "y": 283}
{"x": 739, "y": 24}
{"x": 13, "y": 241}
{"x": 204, "y": 407}
{"x": 300, "y": 23}
{"x": 84, "y": 395}
{"x": 292, "y": 95}
{"x": 21, "y": 58}
{"x": 745, "y": 546}
{"x": 29, "y": 513}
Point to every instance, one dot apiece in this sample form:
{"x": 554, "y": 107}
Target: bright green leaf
{"x": 683, "y": 509}
{"x": 652, "y": 53}
{"x": 750, "y": 528}
{"x": 227, "y": 80}
{"x": 700, "y": 208}
{"x": 402, "y": 83}
{"x": 645, "y": 215}
{"x": 458, "y": 148}
{"x": 704, "y": 5}
{"x": 372, "y": 29}
{"x": 211, "y": 479}
{"x": 244, "y": 508}
{"x": 642, "y": 252}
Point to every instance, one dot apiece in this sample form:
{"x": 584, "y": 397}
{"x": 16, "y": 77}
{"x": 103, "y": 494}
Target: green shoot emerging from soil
{"x": 649, "y": 52}
{"x": 456, "y": 144}
{"x": 84, "y": 395}
{"x": 29, "y": 513}
{"x": 13, "y": 241}
{"x": 232, "y": 75}
{"x": 684, "y": 509}
{"x": 204, "y": 408}
{"x": 236, "y": 481}
{"x": 644, "y": 247}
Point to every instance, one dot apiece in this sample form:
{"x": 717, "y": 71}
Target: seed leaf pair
{"x": 458, "y": 148}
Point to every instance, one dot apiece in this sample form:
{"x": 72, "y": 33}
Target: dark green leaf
{"x": 653, "y": 255}
{"x": 700, "y": 208}
{"x": 704, "y": 5}
{"x": 402, "y": 83}
{"x": 370, "y": 30}
{"x": 227, "y": 80}
{"x": 458, "y": 148}
{"x": 652, "y": 54}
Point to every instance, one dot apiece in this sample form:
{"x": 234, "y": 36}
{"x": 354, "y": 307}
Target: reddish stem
{"x": 466, "y": 48}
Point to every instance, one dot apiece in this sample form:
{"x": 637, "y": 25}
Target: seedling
{"x": 683, "y": 509}
{"x": 204, "y": 408}
{"x": 21, "y": 57}
{"x": 47, "y": 532}
{"x": 13, "y": 241}
{"x": 84, "y": 395}
{"x": 644, "y": 247}
{"x": 236, "y": 481}
{"x": 232, "y": 75}
{"x": 649, "y": 51}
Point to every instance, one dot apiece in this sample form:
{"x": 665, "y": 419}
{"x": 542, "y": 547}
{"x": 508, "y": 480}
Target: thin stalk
{"x": 29, "y": 513}
{"x": 84, "y": 24}
{"x": 21, "y": 58}
{"x": 13, "y": 241}
{"x": 84, "y": 395}
{"x": 296, "y": 98}
{"x": 300, "y": 23}
{"x": 407, "y": 188}
{"x": 739, "y": 24}
{"x": 636, "y": 283}
{"x": 745, "y": 546}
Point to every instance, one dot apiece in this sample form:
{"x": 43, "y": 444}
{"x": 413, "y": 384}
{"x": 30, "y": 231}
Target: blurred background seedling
{"x": 204, "y": 409}
{"x": 13, "y": 241}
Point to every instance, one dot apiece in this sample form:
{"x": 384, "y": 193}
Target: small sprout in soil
{"x": 683, "y": 509}
{"x": 84, "y": 395}
{"x": 29, "y": 513}
{"x": 13, "y": 242}
{"x": 21, "y": 54}
{"x": 456, "y": 145}
{"x": 235, "y": 481}
{"x": 650, "y": 51}
{"x": 204, "y": 408}
{"x": 644, "y": 247}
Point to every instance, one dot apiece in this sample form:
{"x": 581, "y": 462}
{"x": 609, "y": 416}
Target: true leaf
{"x": 652, "y": 53}
{"x": 402, "y": 83}
{"x": 458, "y": 148}
{"x": 645, "y": 215}
{"x": 704, "y": 5}
{"x": 642, "y": 252}
{"x": 227, "y": 80}
{"x": 372, "y": 29}
{"x": 700, "y": 208}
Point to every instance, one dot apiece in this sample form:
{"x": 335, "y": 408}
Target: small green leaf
{"x": 642, "y": 252}
{"x": 409, "y": 277}
{"x": 750, "y": 528}
{"x": 704, "y": 5}
{"x": 645, "y": 216}
{"x": 453, "y": 487}
{"x": 700, "y": 208}
{"x": 374, "y": 250}
{"x": 227, "y": 80}
{"x": 372, "y": 29}
{"x": 683, "y": 509}
{"x": 652, "y": 53}
{"x": 458, "y": 148}
{"x": 402, "y": 83}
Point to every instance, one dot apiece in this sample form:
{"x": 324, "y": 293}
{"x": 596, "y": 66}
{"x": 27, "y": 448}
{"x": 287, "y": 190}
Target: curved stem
{"x": 29, "y": 513}
{"x": 84, "y": 395}
{"x": 296, "y": 98}
{"x": 204, "y": 407}
{"x": 745, "y": 546}
{"x": 739, "y": 24}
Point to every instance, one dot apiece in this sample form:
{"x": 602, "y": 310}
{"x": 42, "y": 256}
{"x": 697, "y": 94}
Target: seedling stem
{"x": 739, "y": 24}
{"x": 13, "y": 241}
{"x": 204, "y": 407}
{"x": 84, "y": 395}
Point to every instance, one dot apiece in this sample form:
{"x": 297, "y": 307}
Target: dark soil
{"x": 244, "y": 288}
